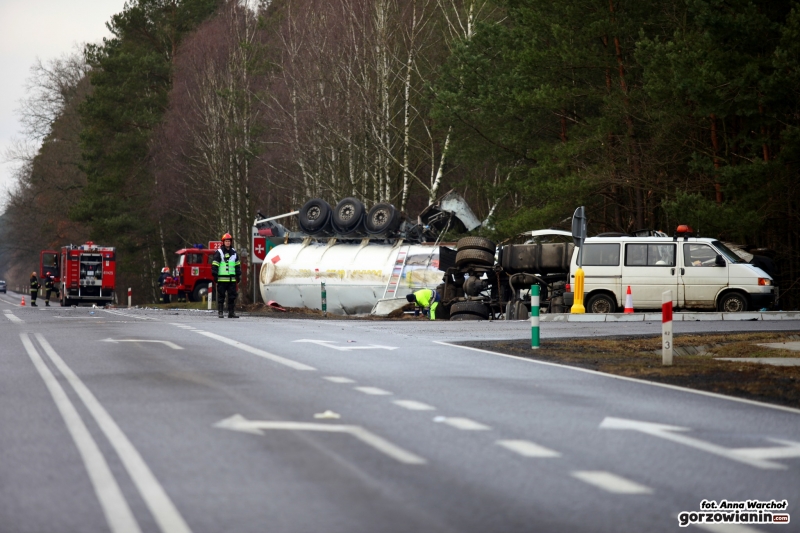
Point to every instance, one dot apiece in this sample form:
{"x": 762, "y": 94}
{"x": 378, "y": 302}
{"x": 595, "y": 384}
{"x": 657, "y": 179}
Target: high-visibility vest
{"x": 425, "y": 297}
{"x": 226, "y": 261}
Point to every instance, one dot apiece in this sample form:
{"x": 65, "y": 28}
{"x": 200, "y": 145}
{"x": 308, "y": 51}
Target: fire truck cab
{"x": 192, "y": 274}
{"x": 86, "y": 273}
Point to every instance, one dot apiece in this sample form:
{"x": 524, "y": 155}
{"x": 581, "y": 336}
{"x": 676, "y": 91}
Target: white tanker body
{"x": 356, "y": 275}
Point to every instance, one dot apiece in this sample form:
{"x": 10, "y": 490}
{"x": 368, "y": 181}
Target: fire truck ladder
{"x": 397, "y": 272}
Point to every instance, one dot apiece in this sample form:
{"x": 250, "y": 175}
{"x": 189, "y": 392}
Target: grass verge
{"x": 635, "y": 357}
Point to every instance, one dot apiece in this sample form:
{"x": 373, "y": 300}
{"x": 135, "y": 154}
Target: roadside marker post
{"x": 578, "y": 237}
{"x": 324, "y": 295}
{"x": 666, "y": 328}
{"x": 210, "y": 294}
{"x": 129, "y": 297}
{"x": 535, "y": 317}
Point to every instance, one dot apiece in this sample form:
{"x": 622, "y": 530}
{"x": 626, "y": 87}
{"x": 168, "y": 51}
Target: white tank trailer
{"x": 357, "y": 275}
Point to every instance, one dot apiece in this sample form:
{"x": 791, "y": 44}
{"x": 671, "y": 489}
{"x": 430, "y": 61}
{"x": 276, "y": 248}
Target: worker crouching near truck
{"x": 427, "y": 299}
{"x": 227, "y": 272}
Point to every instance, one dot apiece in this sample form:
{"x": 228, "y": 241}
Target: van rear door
{"x": 649, "y": 271}
{"x": 700, "y": 279}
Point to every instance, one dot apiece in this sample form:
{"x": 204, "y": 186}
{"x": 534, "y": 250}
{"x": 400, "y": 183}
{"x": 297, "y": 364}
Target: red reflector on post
{"x": 568, "y": 288}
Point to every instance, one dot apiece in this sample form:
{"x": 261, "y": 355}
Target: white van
{"x": 702, "y": 273}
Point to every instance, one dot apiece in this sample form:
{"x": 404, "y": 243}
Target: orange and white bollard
{"x": 629, "y": 301}
{"x": 23, "y": 301}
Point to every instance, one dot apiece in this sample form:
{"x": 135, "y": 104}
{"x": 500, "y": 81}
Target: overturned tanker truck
{"x": 368, "y": 259}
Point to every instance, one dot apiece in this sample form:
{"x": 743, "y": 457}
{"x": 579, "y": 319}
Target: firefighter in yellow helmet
{"x": 226, "y": 269}
{"x": 427, "y": 299}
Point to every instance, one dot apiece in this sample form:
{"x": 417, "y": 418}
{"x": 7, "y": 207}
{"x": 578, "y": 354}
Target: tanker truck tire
{"x": 314, "y": 216}
{"x": 468, "y": 311}
{"x": 382, "y": 218}
{"x": 348, "y": 215}
{"x": 474, "y": 257}
{"x": 476, "y": 243}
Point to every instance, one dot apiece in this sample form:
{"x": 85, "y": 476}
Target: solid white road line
{"x": 115, "y": 508}
{"x": 166, "y": 515}
{"x": 626, "y": 378}
{"x": 464, "y": 423}
{"x": 375, "y": 391}
{"x": 414, "y": 405}
{"x": 13, "y": 318}
{"x": 337, "y": 379}
{"x": 611, "y": 482}
{"x": 527, "y": 448}
{"x": 9, "y": 302}
{"x": 255, "y": 351}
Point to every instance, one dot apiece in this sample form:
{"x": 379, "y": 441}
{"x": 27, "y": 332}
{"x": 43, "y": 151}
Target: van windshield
{"x": 727, "y": 252}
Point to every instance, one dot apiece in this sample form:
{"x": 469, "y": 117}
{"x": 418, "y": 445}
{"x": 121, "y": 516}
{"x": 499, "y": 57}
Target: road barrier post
{"x": 129, "y": 297}
{"x": 210, "y": 294}
{"x": 535, "y": 317}
{"x": 324, "y": 300}
{"x": 666, "y": 328}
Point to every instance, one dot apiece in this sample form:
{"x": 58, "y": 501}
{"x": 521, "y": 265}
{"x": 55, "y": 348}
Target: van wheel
{"x": 733, "y": 302}
{"x": 601, "y": 303}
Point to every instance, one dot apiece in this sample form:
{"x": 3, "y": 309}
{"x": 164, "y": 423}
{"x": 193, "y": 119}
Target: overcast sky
{"x": 45, "y": 29}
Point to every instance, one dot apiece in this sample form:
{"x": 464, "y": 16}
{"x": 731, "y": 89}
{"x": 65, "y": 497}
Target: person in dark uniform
{"x": 226, "y": 270}
{"x": 161, "y": 281}
{"x": 34, "y": 289}
{"x": 49, "y": 283}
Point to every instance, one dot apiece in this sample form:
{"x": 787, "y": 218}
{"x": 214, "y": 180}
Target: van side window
{"x": 650, "y": 255}
{"x": 698, "y": 255}
{"x": 600, "y": 255}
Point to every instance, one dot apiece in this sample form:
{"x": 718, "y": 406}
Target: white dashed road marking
{"x": 338, "y": 379}
{"x": 527, "y": 449}
{"x": 611, "y": 482}
{"x": 462, "y": 423}
{"x": 374, "y": 391}
{"x": 414, "y": 406}
{"x": 13, "y": 318}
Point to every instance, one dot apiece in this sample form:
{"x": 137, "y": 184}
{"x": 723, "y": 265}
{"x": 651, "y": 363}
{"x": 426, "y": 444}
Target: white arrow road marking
{"x": 527, "y": 448}
{"x": 255, "y": 351}
{"x": 167, "y": 517}
{"x": 374, "y": 391}
{"x": 414, "y": 405}
{"x": 611, "y": 482}
{"x": 756, "y": 457}
{"x": 240, "y": 423}
{"x": 168, "y": 343}
{"x": 13, "y": 318}
{"x": 330, "y": 344}
{"x": 115, "y": 508}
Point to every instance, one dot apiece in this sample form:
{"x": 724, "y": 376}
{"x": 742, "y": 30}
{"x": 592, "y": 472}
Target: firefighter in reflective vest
{"x": 427, "y": 299}
{"x": 34, "y": 289}
{"x": 227, "y": 272}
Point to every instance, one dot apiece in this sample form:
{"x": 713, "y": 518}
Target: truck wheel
{"x": 200, "y": 290}
{"x": 476, "y": 257}
{"x": 601, "y": 303}
{"x": 314, "y": 216}
{"x": 476, "y": 243}
{"x": 469, "y": 311}
{"x": 382, "y": 218}
{"x": 733, "y": 302}
{"x": 348, "y": 214}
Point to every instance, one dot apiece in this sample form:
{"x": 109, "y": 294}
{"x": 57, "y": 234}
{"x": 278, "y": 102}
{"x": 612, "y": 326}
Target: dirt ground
{"x": 637, "y": 357}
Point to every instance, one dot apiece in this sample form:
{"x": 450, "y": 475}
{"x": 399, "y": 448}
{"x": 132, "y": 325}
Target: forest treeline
{"x": 196, "y": 114}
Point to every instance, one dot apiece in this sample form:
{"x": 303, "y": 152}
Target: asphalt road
{"x": 170, "y": 421}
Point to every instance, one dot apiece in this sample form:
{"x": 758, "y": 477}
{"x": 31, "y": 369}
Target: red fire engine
{"x": 83, "y": 273}
{"x": 193, "y": 273}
